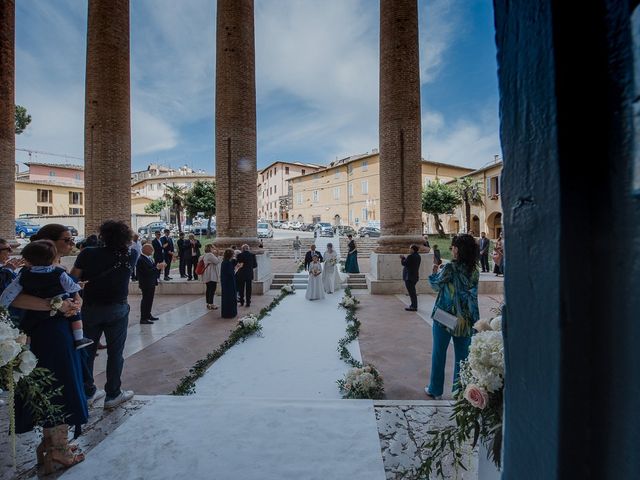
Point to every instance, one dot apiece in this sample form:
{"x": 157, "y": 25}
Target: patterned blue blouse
{"x": 458, "y": 295}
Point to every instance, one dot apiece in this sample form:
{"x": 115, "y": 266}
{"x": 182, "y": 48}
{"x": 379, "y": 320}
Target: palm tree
{"x": 175, "y": 195}
{"x": 470, "y": 192}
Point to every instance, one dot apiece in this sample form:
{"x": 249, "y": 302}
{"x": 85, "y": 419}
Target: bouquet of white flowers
{"x": 289, "y": 288}
{"x": 478, "y": 408}
{"x": 362, "y": 382}
{"x": 249, "y": 321}
{"x": 348, "y": 302}
{"x": 332, "y": 262}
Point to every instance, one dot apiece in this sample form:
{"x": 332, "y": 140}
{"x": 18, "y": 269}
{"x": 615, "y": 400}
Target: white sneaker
{"x": 125, "y": 396}
{"x": 98, "y": 394}
{"x": 426, "y": 390}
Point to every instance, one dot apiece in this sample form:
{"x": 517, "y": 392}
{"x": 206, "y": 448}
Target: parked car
{"x": 306, "y": 227}
{"x": 295, "y": 225}
{"x": 72, "y": 230}
{"x": 202, "y": 229}
{"x": 345, "y": 230}
{"x": 324, "y": 229}
{"x": 277, "y": 224}
{"x": 152, "y": 228}
{"x": 26, "y": 228}
{"x": 265, "y": 230}
{"x": 368, "y": 232}
{"x": 285, "y": 225}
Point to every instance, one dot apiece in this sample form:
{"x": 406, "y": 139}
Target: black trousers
{"x": 244, "y": 289}
{"x": 411, "y": 288}
{"x": 183, "y": 266}
{"x": 192, "y": 262}
{"x": 211, "y": 292}
{"x": 484, "y": 262}
{"x": 167, "y": 269}
{"x": 147, "y": 302}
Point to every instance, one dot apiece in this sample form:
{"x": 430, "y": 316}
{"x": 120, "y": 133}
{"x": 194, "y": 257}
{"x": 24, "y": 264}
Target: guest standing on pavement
{"x": 351, "y": 264}
{"x": 297, "y": 245}
{"x": 182, "y": 245}
{"x": 425, "y": 244}
{"x": 158, "y": 251}
{"x": 106, "y": 271}
{"x": 211, "y": 275}
{"x": 147, "y": 282}
{"x": 498, "y": 257}
{"x": 457, "y": 287}
{"x": 192, "y": 255}
{"x": 247, "y": 262}
{"x": 484, "y": 252}
{"x": 411, "y": 275}
{"x": 308, "y": 258}
{"x": 168, "y": 250}
{"x": 229, "y": 308}
{"x": 136, "y": 251}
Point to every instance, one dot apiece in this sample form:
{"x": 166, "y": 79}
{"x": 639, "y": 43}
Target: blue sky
{"x": 316, "y": 76}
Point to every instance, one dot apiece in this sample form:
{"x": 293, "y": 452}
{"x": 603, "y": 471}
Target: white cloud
{"x": 439, "y": 22}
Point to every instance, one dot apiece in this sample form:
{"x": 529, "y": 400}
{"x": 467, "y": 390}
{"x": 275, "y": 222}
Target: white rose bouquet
{"x": 362, "y": 382}
{"x": 289, "y": 288}
{"x": 349, "y": 303}
{"x": 477, "y": 412}
{"x": 332, "y": 262}
{"x": 248, "y": 325}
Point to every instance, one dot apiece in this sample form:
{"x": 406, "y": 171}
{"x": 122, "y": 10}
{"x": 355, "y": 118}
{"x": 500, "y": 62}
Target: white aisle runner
{"x": 269, "y": 409}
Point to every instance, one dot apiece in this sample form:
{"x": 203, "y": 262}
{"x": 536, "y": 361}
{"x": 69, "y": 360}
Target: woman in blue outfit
{"x": 351, "y": 263}
{"x": 457, "y": 287}
{"x": 229, "y": 303}
{"x": 52, "y": 343}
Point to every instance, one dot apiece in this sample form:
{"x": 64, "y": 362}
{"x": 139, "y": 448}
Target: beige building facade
{"x": 273, "y": 188}
{"x": 150, "y": 184}
{"x": 347, "y": 192}
{"x": 486, "y": 218}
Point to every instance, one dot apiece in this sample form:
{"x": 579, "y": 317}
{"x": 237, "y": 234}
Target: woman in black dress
{"x": 228, "y": 285}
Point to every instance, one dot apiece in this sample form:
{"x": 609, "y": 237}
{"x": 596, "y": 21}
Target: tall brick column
{"x": 7, "y": 122}
{"x": 400, "y": 143}
{"x": 107, "y": 127}
{"x": 236, "y": 202}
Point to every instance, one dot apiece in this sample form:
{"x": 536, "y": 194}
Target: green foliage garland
{"x": 187, "y": 385}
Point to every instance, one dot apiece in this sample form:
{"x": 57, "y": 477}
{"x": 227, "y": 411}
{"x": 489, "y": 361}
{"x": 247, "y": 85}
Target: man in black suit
{"x": 168, "y": 249}
{"x": 244, "y": 276}
{"x": 182, "y": 245}
{"x": 147, "y": 270}
{"x": 410, "y": 275}
{"x": 308, "y": 257}
{"x": 484, "y": 252}
{"x": 158, "y": 251}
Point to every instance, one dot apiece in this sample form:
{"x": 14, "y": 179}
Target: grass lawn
{"x": 445, "y": 242}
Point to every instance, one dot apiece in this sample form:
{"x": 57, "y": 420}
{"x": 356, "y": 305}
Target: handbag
{"x": 200, "y": 267}
{"x": 445, "y": 318}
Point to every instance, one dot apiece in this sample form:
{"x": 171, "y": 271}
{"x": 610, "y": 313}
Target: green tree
{"x": 175, "y": 196}
{"x": 156, "y": 206}
{"x": 439, "y": 199}
{"x": 470, "y": 192}
{"x": 23, "y": 119}
{"x": 201, "y": 198}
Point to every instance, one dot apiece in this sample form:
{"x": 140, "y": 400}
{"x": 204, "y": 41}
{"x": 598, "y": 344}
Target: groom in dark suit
{"x": 244, "y": 276}
{"x": 147, "y": 270}
{"x": 308, "y": 258}
{"x": 411, "y": 275}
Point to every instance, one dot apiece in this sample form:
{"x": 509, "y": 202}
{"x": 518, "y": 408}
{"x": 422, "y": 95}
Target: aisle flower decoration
{"x": 362, "y": 382}
{"x": 349, "y": 302}
{"x": 249, "y": 324}
{"x": 289, "y": 288}
{"x": 300, "y": 266}
{"x": 477, "y": 412}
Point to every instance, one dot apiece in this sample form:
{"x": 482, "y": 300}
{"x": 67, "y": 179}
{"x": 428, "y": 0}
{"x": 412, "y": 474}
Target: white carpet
{"x": 296, "y": 358}
{"x": 201, "y": 438}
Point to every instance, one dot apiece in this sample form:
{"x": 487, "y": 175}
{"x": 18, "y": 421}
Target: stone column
{"x": 7, "y": 120}
{"x": 400, "y": 147}
{"x": 236, "y": 202}
{"x": 400, "y": 142}
{"x": 107, "y": 129}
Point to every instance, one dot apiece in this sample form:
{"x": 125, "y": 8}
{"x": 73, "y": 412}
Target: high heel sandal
{"x": 57, "y": 450}
{"x": 41, "y": 449}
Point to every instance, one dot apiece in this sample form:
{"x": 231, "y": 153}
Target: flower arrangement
{"x": 477, "y": 412}
{"x": 362, "y": 382}
{"x": 289, "y": 288}
{"x": 349, "y": 302}
{"x": 300, "y": 266}
{"x": 332, "y": 262}
{"x": 249, "y": 324}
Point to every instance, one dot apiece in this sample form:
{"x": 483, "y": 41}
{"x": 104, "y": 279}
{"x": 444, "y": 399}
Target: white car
{"x": 265, "y": 230}
{"x": 285, "y": 225}
{"x": 295, "y": 225}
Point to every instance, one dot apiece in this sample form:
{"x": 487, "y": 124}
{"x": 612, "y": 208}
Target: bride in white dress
{"x": 315, "y": 291}
{"x": 330, "y": 274}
